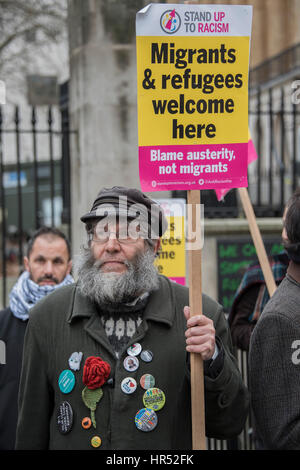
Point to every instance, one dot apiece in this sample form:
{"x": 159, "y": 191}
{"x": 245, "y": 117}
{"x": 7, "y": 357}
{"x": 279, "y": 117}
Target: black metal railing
{"x": 66, "y": 156}
{"x": 34, "y": 180}
{"x": 274, "y": 125}
{"x": 278, "y": 66}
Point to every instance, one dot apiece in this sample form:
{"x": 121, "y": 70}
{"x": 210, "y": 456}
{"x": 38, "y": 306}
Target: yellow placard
{"x": 170, "y": 260}
{"x": 192, "y": 89}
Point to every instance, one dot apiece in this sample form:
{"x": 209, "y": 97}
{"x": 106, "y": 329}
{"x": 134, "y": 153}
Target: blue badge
{"x": 66, "y": 381}
{"x": 146, "y": 420}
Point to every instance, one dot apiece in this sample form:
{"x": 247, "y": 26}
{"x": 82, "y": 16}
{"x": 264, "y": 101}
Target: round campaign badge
{"x": 154, "y": 398}
{"x": 64, "y": 417}
{"x": 66, "y": 381}
{"x": 134, "y": 349}
{"x": 147, "y": 355}
{"x": 146, "y": 420}
{"x": 131, "y": 363}
{"x": 86, "y": 423}
{"x": 147, "y": 381}
{"x": 96, "y": 441}
{"x": 128, "y": 385}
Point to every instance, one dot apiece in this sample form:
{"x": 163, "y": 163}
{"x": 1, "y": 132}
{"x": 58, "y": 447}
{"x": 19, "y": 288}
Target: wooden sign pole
{"x": 258, "y": 242}
{"x": 195, "y": 298}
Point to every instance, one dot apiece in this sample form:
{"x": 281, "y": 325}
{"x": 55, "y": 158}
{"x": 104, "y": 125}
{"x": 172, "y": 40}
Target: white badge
{"x": 134, "y": 349}
{"x": 128, "y": 385}
{"x": 131, "y": 363}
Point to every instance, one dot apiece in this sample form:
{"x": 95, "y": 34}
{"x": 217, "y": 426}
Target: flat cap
{"x": 130, "y": 203}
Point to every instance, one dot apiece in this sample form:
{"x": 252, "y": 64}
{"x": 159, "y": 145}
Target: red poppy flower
{"x": 95, "y": 372}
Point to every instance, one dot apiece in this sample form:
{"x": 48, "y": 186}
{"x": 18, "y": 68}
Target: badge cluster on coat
{"x": 153, "y": 399}
{"x": 95, "y": 373}
{"x": 66, "y": 383}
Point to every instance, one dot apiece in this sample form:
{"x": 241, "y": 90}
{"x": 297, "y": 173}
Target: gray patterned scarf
{"x": 26, "y": 293}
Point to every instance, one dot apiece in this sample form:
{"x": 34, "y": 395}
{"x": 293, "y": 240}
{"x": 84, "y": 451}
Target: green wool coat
{"x": 65, "y": 322}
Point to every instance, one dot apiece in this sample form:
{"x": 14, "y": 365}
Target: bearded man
{"x": 130, "y": 332}
{"x": 47, "y": 267}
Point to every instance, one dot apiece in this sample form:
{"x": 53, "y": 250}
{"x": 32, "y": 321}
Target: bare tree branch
{"x": 44, "y": 19}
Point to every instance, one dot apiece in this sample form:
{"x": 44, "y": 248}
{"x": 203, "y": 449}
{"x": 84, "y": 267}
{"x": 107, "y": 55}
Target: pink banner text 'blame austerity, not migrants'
{"x": 199, "y": 166}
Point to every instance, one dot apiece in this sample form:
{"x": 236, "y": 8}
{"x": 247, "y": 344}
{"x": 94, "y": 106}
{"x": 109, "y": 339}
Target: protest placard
{"x": 192, "y": 82}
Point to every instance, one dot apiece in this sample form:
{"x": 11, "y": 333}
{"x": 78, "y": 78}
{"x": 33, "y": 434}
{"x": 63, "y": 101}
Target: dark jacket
{"x": 12, "y": 331}
{"x": 251, "y": 298}
{"x": 274, "y": 369}
{"x": 66, "y": 322}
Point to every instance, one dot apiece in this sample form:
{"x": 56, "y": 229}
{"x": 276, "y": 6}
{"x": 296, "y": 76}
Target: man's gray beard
{"x": 114, "y": 288}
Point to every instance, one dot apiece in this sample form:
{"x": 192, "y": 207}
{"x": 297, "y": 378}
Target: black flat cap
{"x": 130, "y": 203}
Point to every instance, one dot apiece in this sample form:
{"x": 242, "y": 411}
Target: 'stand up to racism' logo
{"x": 170, "y": 21}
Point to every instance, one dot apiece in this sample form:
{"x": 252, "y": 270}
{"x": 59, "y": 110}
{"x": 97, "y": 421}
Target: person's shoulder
{"x": 280, "y": 317}
{"x": 182, "y": 292}
{"x": 5, "y": 315}
{"x": 178, "y": 289}
{"x": 280, "y": 312}
{"x": 210, "y": 304}
{"x": 285, "y": 299}
{"x": 5, "y": 312}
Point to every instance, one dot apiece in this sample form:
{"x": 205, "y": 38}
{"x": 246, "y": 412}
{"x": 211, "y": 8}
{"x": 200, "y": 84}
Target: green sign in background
{"x": 234, "y": 256}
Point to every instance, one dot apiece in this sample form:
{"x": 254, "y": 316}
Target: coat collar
{"x": 160, "y": 306}
{"x": 80, "y": 306}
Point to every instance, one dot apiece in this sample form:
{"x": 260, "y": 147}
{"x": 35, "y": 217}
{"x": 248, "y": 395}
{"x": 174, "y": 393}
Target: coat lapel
{"x": 82, "y": 307}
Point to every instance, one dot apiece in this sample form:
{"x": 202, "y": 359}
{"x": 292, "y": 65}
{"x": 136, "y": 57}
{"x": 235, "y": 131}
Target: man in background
{"x": 47, "y": 266}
